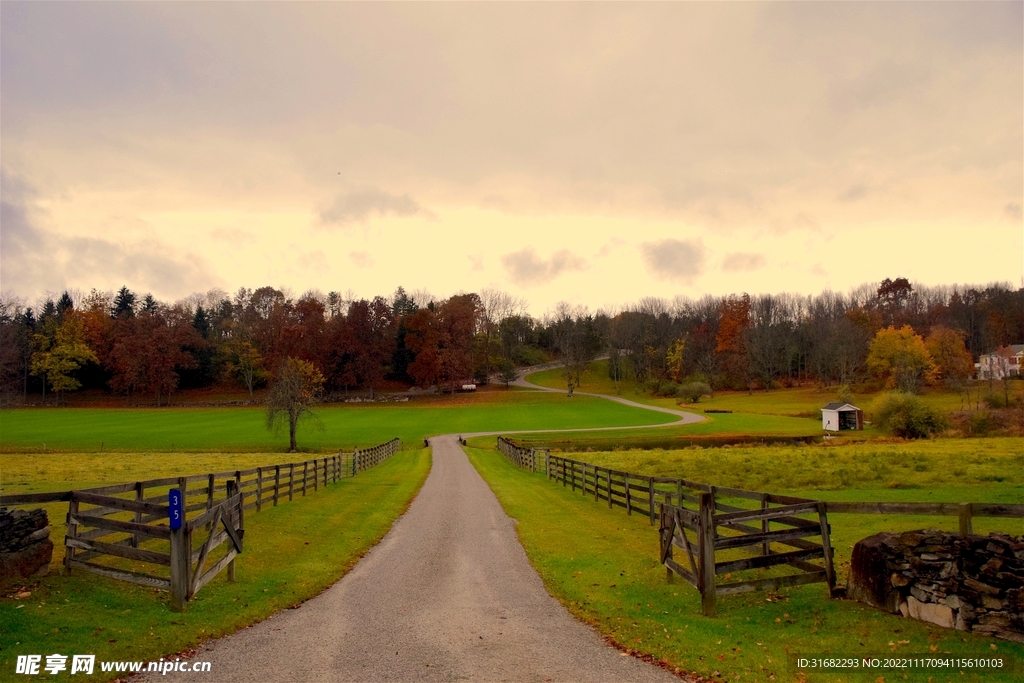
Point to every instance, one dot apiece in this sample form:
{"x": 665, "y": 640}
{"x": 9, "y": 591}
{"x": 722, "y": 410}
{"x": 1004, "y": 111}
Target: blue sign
{"x": 177, "y": 512}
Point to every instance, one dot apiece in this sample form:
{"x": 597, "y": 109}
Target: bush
{"x": 905, "y": 415}
{"x": 692, "y": 391}
{"x": 995, "y": 401}
{"x": 844, "y": 394}
{"x": 664, "y": 388}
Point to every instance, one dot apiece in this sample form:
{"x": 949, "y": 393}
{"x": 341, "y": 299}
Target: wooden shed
{"x": 838, "y": 416}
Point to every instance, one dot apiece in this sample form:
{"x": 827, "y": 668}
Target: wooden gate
{"x": 188, "y": 563}
{"x": 741, "y": 530}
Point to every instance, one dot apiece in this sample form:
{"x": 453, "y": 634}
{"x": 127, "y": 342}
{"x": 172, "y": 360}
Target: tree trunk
{"x": 292, "y": 421}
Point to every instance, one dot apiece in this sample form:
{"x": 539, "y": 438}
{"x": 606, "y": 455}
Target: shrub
{"x": 692, "y": 391}
{"x": 905, "y": 415}
{"x": 844, "y": 394}
{"x": 664, "y": 388}
{"x": 995, "y": 401}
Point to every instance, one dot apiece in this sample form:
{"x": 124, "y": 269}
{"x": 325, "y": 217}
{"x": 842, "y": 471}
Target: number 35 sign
{"x": 176, "y": 508}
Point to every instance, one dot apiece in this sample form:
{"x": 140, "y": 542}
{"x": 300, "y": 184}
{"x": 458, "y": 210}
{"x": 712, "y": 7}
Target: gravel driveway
{"x": 448, "y": 595}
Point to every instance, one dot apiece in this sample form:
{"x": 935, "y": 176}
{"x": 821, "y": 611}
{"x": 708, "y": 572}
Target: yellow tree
{"x": 901, "y": 355}
{"x": 62, "y": 354}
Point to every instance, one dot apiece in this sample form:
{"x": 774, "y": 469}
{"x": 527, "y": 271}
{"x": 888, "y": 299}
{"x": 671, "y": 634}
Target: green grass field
{"x": 292, "y": 552}
{"x": 794, "y": 402}
{"x": 345, "y": 426}
{"x": 603, "y": 566}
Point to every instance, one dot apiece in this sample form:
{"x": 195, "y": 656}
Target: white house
{"x": 1003, "y": 362}
{"x": 836, "y": 416}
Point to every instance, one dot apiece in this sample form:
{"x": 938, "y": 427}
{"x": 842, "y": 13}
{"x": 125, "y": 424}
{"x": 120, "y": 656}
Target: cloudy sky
{"x": 593, "y": 153}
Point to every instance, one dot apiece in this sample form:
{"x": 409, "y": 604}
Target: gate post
{"x": 181, "y": 558}
{"x": 228, "y": 516}
{"x": 706, "y": 553}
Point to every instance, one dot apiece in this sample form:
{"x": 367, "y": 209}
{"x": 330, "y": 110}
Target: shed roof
{"x": 840, "y": 406}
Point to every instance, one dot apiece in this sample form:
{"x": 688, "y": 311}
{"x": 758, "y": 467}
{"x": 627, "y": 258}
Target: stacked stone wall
{"x": 971, "y": 583}
{"x": 25, "y": 545}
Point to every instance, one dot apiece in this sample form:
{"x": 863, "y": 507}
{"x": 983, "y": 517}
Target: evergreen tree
{"x": 149, "y": 304}
{"x": 64, "y": 304}
{"x": 124, "y": 304}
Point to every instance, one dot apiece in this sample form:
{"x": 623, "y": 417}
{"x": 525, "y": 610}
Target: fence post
{"x": 650, "y": 498}
{"x": 181, "y": 558}
{"x": 72, "y": 532}
{"x": 966, "y": 524}
{"x": 355, "y": 461}
{"x": 765, "y": 526}
{"x": 316, "y": 476}
{"x": 305, "y": 475}
{"x": 277, "y": 482}
{"x": 609, "y": 489}
{"x": 666, "y": 550}
{"x": 547, "y": 464}
{"x": 596, "y": 495}
{"x": 209, "y": 491}
{"x": 629, "y": 500}
{"x": 291, "y": 481}
{"x": 259, "y": 489}
{"x": 826, "y": 542}
{"x": 706, "y": 552}
{"x": 229, "y": 518}
{"x": 140, "y": 496}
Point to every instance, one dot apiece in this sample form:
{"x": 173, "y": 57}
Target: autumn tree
{"x": 953, "y": 363}
{"x": 296, "y": 389}
{"x": 369, "y": 337}
{"x": 58, "y": 357}
{"x": 246, "y": 364}
{"x": 901, "y": 356}
{"x": 730, "y": 342}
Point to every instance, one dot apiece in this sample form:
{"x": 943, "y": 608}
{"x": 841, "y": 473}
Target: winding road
{"x": 447, "y": 595}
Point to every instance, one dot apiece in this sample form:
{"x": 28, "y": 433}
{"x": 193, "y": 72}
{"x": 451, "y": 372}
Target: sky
{"x": 593, "y": 153}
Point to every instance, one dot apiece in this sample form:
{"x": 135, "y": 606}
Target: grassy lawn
{"x": 795, "y": 402}
{"x": 341, "y": 426}
{"x": 602, "y": 565}
{"x": 292, "y": 552}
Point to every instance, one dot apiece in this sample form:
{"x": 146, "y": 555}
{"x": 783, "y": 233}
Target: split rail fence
{"x": 732, "y": 522}
{"x": 130, "y": 522}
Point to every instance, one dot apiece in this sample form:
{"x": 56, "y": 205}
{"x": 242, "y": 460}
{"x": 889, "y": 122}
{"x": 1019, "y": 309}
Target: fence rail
{"x": 523, "y": 457}
{"x": 113, "y": 521}
{"x": 731, "y": 523}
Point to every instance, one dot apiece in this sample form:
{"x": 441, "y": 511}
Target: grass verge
{"x": 602, "y": 565}
{"x": 292, "y": 553}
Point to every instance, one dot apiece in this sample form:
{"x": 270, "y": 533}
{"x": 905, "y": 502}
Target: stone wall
{"x": 25, "y": 545}
{"x": 971, "y": 583}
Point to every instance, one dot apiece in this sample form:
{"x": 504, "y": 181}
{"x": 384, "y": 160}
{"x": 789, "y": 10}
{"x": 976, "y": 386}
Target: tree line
{"x": 144, "y": 349}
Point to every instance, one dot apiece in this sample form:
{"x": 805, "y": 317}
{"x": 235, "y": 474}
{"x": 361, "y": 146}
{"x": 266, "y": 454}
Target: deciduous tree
{"x": 296, "y": 389}
{"x": 901, "y": 356}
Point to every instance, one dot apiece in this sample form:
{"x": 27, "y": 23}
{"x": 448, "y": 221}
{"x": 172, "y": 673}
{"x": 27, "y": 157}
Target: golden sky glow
{"x": 594, "y": 153}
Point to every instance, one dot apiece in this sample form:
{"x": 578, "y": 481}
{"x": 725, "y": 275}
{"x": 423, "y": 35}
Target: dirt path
{"x": 447, "y": 595}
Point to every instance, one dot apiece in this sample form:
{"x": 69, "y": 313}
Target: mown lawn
{"x": 603, "y": 566}
{"x": 794, "y": 402}
{"x": 344, "y": 426}
{"x": 292, "y": 552}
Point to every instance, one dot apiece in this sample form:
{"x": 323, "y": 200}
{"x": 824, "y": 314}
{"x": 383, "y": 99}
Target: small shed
{"x": 837, "y": 416}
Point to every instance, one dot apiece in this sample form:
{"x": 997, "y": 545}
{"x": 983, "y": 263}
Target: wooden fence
{"x": 132, "y": 518}
{"x": 368, "y": 457}
{"x": 738, "y": 530}
{"x": 523, "y": 457}
{"x": 744, "y": 517}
